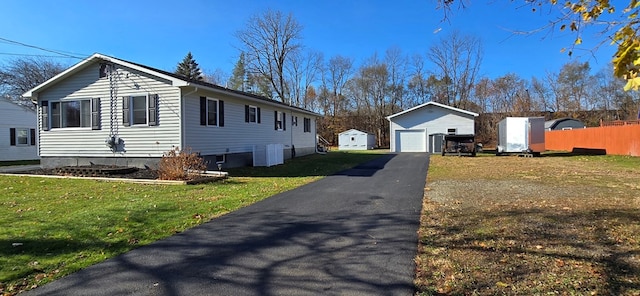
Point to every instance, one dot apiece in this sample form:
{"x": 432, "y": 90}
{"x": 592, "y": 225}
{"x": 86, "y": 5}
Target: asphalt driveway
{"x": 353, "y": 233}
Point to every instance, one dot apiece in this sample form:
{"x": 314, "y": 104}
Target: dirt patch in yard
{"x": 530, "y": 226}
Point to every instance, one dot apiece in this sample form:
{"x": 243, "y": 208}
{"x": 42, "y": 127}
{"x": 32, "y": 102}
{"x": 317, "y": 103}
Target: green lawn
{"x": 53, "y": 227}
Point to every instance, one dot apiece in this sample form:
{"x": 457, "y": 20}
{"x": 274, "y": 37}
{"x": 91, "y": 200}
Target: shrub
{"x": 180, "y": 165}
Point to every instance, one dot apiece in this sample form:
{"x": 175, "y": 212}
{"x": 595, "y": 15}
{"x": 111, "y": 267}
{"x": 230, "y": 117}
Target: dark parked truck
{"x": 459, "y": 145}
{"x": 521, "y": 135}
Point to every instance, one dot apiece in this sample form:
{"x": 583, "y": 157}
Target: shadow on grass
{"x": 536, "y": 251}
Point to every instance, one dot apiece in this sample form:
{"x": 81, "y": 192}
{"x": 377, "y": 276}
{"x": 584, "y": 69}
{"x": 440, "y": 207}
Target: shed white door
{"x": 411, "y": 141}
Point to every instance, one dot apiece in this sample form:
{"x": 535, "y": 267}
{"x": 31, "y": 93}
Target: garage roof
{"x": 434, "y": 104}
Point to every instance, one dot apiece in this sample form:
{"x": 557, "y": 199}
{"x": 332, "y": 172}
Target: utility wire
{"x": 32, "y": 55}
{"x": 43, "y": 49}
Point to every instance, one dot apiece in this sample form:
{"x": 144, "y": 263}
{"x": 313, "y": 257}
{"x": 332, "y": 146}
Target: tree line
{"x": 273, "y": 62}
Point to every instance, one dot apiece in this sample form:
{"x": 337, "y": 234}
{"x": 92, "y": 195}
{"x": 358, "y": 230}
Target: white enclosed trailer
{"x": 522, "y": 135}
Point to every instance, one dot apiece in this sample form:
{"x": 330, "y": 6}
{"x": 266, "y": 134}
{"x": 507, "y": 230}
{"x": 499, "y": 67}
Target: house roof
{"x": 3, "y": 99}
{"x": 552, "y": 123}
{"x": 355, "y": 130}
{"x": 174, "y": 79}
{"x": 432, "y": 104}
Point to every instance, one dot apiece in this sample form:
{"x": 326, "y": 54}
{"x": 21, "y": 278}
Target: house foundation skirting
{"x": 230, "y": 160}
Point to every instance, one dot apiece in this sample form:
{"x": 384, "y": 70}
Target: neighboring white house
{"x": 354, "y": 139}
{"x": 17, "y": 132}
{"x": 105, "y": 110}
{"x": 422, "y": 128}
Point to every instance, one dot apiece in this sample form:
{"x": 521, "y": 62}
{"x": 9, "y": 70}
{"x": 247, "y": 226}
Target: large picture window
{"x": 71, "y": 114}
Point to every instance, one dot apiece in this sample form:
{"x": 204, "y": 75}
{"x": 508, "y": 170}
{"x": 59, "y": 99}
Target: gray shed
{"x": 354, "y": 139}
{"x": 565, "y": 123}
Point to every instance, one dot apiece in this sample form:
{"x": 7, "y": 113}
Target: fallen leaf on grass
{"x": 502, "y": 285}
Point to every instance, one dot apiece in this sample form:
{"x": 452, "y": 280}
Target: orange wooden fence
{"x": 614, "y": 139}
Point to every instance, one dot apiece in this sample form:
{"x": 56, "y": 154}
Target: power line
{"x": 62, "y": 53}
{"x": 33, "y": 55}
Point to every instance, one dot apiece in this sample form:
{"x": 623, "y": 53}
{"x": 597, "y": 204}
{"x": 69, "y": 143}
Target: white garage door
{"x": 411, "y": 141}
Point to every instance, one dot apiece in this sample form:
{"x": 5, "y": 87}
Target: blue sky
{"x": 159, "y": 33}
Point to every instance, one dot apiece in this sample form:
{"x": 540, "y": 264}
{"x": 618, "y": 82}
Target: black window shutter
{"x": 246, "y": 113}
{"x": 258, "y": 111}
{"x": 284, "y": 121}
{"x": 275, "y": 119}
{"x": 220, "y": 113}
{"x": 12, "y": 135}
{"x": 33, "y": 136}
{"x": 44, "y": 115}
{"x": 95, "y": 113}
{"x": 203, "y": 110}
{"x": 125, "y": 111}
{"x": 153, "y": 109}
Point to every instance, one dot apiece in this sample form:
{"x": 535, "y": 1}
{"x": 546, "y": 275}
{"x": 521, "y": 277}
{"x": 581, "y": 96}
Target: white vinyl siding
{"x": 139, "y": 140}
{"x": 430, "y": 119}
{"x": 21, "y": 120}
{"x": 240, "y": 133}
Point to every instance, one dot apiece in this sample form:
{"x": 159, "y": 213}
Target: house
{"x": 109, "y": 111}
{"x": 422, "y": 128}
{"x": 17, "y": 132}
{"x": 354, "y": 139}
{"x": 565, "y": 123}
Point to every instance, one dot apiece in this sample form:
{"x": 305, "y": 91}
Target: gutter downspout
{"x": 182, "y": 115}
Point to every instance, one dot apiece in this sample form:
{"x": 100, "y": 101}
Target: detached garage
{"x": 421, "y": 128}
{"x": 354, "y": 139}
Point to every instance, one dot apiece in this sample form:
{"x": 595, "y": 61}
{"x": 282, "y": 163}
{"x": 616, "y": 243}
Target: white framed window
{"x": 22, "y": 136}
{"x": 211, "y": 112}
{"x": 452, "y": 131}
{"x": 140, "y": 110}
{"x": 307, "y": 125}
{"x": 279, "y": 120}
{"x": 294, "y": 120}
{"x": 251, "y": 114}
{"x": 71, "y": 113}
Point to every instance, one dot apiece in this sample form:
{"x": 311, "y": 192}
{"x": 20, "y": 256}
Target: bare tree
{"x": 217, "y": 76}
{"x": 574, "y": 82}
{"x": 304, "y": 69}
{"x": 269, "y": 41}
{"x": 457, "y": 58}
{"x": 396, "y": 64}
{"x": 417, "y": 90}
{"x": 337, "y": 72}
{"x": 20, "y": 75}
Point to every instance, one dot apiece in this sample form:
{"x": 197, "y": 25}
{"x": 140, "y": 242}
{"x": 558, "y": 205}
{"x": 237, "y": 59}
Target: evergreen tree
{"x": 239, "y": 74}
{"x": 189, "y": 68}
